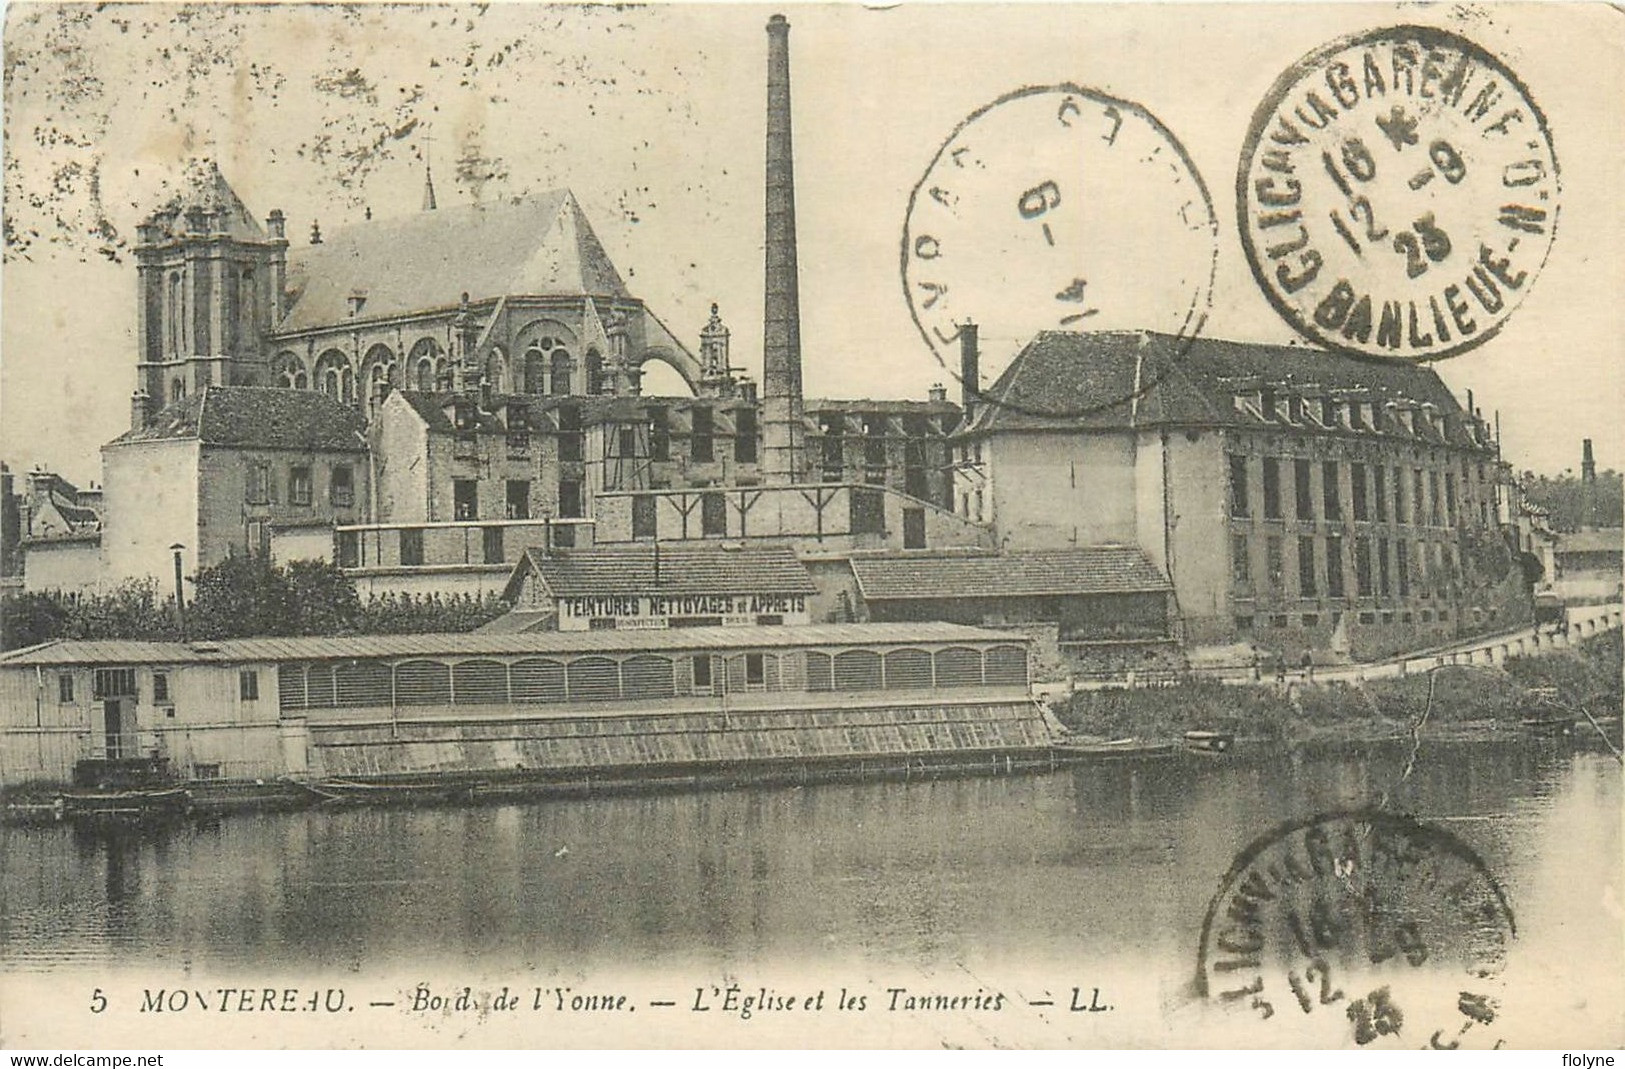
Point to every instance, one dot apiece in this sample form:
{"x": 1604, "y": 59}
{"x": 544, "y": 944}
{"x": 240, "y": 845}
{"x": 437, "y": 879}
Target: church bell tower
{"x": 210, "y": 284}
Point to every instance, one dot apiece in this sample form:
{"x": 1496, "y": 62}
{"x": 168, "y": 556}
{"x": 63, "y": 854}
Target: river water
{"x": 1025, "y": 880}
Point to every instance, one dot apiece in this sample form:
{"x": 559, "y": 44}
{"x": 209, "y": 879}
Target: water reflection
{"x": 1111, "y": 859}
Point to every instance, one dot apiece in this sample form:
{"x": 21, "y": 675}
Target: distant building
{"x": 232, "y": 469}
{"x": 61, "y": 532}
{"x": 1589, "y": 565}
{"x": 1297, "y": 500}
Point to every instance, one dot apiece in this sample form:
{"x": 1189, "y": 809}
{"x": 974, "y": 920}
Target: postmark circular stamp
{"x": 1057, "y": 208}
{"x": 1397, "y": 194}
{"x": 1360, "y": 927}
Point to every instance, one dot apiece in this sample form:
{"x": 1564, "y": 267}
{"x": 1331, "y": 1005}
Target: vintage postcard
{"x": 915, "y": 526}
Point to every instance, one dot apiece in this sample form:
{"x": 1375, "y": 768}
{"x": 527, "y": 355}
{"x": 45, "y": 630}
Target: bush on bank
{"x": 242, "y": 597}
{"x": 1587, "y": 675}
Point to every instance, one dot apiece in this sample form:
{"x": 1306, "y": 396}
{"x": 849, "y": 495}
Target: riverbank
{"x": 1454, "y": 702}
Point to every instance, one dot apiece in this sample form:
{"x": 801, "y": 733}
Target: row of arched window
{"x": 547, "y": 368}
{"x": 639, "y": 677}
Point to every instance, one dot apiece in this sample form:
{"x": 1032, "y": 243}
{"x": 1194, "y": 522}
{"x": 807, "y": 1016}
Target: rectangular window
{"x": 569, "y": 499}
{"x": 411, "y": 546}
{"x": 1334, "y": 566}
{"x": 1244, "y": 625}
{"x": 160, "y": 688}
{"x": 1450, "y": 499}
{"x": 1402, "y": 566}
{"x": 1357, "y": 499}
{"x": 702, "y": 671}
{"x": 659, "y": 434}
{"x": 570, "y": 436}
{"x": 1362, "y": 567}
{"x": 1272, "y": 488}
{"x": 1418, "y": 512}
{"x": 868, "y": 511}
{"x": 1241, "y": 568}
{"x": 465, "y": 499}
{"x": 1306, "y": 567}
{"x": 64, "y": 688}
{"x": 713, "y": 514}
{"x": 518, "y": 445}
{"x": 627, "y": 442}
{"x": 1238, "y": 485}
{"x": 1422, "y": 568}
{"x": 299, "y": 486}
{"x": 491, "y": 544}
{"x": 466, "y": 446}
{"x": 913, "y": 528}
{"x": 702, "y": 445}
{"x": 248, "y": 685}
{"x": 518, "y": 499}
{"x": 349, "y": 549}
{"x": 342, "y": 490}
{"x": 755, "y": 669}
{"x": 1433, "y": 498}
{"x": 113, "y": 683}
{"x": 257, "y": 491}
{"x": 1328, "y": 490}
{"x": 1399, "y": 495}
{"x": 257, "y": 538}
{"x": 1305, "y": 493}
{"x": 874, "y": 441}
{"x": 643, "y": 516}
{"x": 1273, "y": 562}
{"x": 1379, "y": 493}
{"x": 1382, "y": 567}
{"x": 745, "y": 436}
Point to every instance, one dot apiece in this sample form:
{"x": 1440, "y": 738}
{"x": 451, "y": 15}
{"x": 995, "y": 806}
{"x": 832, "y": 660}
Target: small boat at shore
{"x": 1210, "y": 742}
{"x": 134, "y": 804}
{"x": 1120, "y": 749}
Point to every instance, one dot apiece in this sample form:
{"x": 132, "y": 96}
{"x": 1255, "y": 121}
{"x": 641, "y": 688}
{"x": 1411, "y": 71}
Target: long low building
{"x": 407, "y": 705}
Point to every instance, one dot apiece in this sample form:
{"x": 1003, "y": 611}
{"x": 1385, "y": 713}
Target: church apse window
{"x": 334, "y": 376}
{"x": 559, "y": 361}
{"x": 535, "y": 371}
{"x": 290, "y": 372}
{"x": 423, "y": 363}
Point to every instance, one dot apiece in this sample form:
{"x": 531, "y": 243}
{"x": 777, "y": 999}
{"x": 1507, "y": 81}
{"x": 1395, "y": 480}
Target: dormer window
{"x": 518, "y": 417}
{"x": 358, "y": 301}
{"x": 463, "y": 416}
{"x": 1267, "y": 404}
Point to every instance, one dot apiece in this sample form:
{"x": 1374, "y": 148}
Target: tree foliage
{"x": 1564, "y": 497}
{"x": 241, "y": 597}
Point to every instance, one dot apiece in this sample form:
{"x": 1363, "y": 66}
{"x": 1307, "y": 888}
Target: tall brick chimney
{"x": 970, "y": 370}
{"x": 782, "y": 432}
{"x": 1588, "y": 485}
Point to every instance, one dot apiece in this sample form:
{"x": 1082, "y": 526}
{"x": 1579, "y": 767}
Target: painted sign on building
{"x": 629, "y": 611}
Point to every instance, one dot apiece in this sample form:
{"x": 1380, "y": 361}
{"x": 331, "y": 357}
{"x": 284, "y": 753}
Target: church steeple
{"x": 210, "y": 280}
{"x": 428, "y": 186}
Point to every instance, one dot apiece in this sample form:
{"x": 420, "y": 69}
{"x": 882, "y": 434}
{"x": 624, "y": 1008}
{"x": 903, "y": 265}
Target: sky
{"x": 655, "y": 118}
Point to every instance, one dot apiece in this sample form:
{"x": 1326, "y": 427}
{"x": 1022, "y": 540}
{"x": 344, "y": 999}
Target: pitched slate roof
{"x": 1110, "y": 569}
{"x": 203, "y": 187}
{"x": 1181, "y": 382}
{"x": 260, "y": 417}
{"x": 541, "y": 246}
{"x": 251, "y": 650}
{"x": 704, "y": 569}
